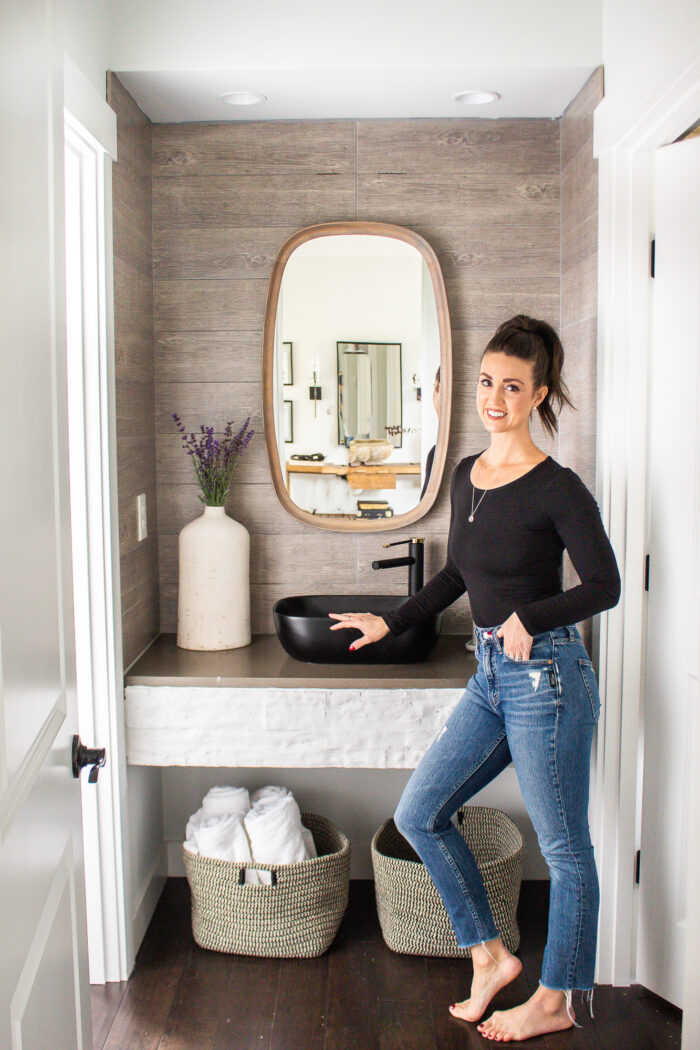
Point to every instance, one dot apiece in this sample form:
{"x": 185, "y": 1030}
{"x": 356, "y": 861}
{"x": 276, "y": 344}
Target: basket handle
{"x": 242, "y": 871}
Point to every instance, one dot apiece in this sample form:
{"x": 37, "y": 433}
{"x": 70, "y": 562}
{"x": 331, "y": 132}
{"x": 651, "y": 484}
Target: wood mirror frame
{"x": 375, "y": 229}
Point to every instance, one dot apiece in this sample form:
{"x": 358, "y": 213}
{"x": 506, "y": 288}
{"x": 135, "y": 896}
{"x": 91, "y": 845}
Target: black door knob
{"x": 87, "y": 756}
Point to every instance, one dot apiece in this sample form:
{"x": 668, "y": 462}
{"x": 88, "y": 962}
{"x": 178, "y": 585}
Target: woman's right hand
{"x": 373, "y": 627}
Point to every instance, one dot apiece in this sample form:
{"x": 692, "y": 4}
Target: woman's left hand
{"x": 517, "y": 643}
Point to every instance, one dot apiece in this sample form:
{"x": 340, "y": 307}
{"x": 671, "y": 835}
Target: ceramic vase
{"x": 213, "y": 609}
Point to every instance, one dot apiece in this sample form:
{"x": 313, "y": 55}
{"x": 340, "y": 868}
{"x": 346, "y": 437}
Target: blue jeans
{"x": 540, "y": 714}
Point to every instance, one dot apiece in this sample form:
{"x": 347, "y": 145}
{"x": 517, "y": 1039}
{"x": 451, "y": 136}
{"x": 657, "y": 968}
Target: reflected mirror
{"x": 356, "y": 336}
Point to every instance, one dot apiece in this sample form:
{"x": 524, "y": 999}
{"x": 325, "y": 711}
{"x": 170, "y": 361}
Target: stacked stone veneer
{"x": 239, "y": 727}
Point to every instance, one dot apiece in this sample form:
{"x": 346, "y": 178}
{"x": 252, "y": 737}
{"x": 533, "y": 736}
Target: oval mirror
{"x": 357, "y": 376}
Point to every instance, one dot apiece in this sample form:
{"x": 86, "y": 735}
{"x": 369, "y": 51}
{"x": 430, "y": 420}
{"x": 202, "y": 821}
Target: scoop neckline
{"x": 507, "y": 484}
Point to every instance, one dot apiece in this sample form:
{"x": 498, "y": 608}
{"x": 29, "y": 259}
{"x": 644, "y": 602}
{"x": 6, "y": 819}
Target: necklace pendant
{"x": 471, "y": 517}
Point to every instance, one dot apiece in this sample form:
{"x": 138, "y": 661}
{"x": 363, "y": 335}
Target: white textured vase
{"x": 213, "y": 607}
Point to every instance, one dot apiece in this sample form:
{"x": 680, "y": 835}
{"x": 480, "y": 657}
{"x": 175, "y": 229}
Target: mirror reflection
{"x": 357, "y": 350}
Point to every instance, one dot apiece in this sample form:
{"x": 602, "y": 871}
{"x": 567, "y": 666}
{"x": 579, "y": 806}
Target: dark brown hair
{"x": 536, "y": 341}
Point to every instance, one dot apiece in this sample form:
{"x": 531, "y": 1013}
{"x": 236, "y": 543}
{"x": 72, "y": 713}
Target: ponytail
{"x": 536, "y": 341}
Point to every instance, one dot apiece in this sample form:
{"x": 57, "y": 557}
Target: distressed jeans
{"x": 540, "y": 714}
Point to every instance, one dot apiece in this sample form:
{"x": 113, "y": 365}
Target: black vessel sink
{"x": 303, "y": 627}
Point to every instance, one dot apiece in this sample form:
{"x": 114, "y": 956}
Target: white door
{"x": 671, "y": 703}
{"x": 43, "y": 953}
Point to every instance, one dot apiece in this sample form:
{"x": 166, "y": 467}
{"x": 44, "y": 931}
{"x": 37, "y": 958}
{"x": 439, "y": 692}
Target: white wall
{"x": 646, "y": 45}
{"x": 211, "y": 34}
{"x": 86, "y": 38}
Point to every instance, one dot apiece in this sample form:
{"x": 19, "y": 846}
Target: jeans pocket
{"x": 591, "y": 686}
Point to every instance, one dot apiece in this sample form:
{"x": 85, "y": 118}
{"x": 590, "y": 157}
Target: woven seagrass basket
{"x": 411, "y": 913}
{"x": 296, "y": 917}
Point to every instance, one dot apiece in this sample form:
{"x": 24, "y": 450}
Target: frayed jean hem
{"x": 587, "y": 994}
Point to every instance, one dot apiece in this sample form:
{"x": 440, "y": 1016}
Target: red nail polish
{"x": 351, "y": 648}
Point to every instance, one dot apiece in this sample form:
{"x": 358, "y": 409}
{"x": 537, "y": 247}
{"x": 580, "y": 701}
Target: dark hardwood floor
{"x": 359, "y": 995}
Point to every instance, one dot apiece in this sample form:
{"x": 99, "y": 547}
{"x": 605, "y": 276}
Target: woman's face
{"x": 506, "y": 394}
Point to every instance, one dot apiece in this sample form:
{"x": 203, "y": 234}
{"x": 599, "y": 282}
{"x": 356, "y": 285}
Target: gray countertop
{"x": 264, "y": 664}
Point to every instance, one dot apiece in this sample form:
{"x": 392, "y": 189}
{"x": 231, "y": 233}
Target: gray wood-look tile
{"x": 210, "y": 305}
{"x": 494, "y": 249}
{"x": 579, "y": 291}
{"x": 174, "y": 466}
{"x": 131, "y": 207}
{"x": 207, "y": 404}
{"x": 208, "y": 357}
{"x": 136, "y": 464}
{"x": 577, "y": 121}
{"x": 135, "y": 403}
{"x": 579, "y": 183}
{"x": 465, "y": 146}
{"x": 133, "y": 296}
{"x": 181, "y": 252}
{"x": 248, "y": 200}
{"x": 254, "y": 148}
{"x": 456, "y": 199}
{"x": 134, "y": 370}
{"x": 133, "y": 353}
{"x": 140, "y": 626}
{"x": 322, "y": 557}
{"x": 488, "y": 301}
{"x": 139, "y": 574}
{"x": 255, "y": 506}
{"x": 579, "y": 240}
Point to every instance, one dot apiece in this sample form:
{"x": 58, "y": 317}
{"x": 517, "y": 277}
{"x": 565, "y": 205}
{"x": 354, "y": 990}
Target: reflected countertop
{"x": 265, "y": 664}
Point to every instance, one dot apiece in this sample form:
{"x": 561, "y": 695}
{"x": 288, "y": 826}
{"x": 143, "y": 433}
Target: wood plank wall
{"x": 485, "y": 194}
{"x": 579, "y": 278}
{"x": 135, "y": 378}
{"x": 579, "y": 289}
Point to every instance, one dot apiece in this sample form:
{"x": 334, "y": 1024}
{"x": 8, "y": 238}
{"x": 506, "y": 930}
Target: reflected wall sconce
{"x": 315, "y": 393}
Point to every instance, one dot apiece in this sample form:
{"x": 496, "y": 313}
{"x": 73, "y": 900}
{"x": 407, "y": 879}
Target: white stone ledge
{"x": 300, "y": 728}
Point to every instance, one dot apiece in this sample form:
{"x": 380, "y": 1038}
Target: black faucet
{"x": 414, "y": 561}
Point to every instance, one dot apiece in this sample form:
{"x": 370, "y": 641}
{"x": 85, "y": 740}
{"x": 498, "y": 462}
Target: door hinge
{"x": 637, "y": 863}
{"x": 652, "y": 258}
{"x": 646, "y": 573}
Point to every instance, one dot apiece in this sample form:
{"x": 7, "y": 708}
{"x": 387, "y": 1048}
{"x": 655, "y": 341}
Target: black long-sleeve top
{"x": 509, "y": 558}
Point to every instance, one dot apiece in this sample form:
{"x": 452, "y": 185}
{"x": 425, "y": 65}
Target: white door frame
{"x": 624, "y": 339}
{"x": 92, "y": 134}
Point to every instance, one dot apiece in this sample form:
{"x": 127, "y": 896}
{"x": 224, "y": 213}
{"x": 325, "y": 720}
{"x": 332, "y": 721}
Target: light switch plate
{"x": 141, "y": 517}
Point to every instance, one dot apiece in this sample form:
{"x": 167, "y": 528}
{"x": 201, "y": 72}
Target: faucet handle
{"x": 413, "y": 539}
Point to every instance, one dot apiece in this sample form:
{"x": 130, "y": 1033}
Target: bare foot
{"x": 541, "y": 1013}
{"x": 489, "y": 977}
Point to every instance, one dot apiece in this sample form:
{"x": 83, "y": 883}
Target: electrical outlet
{"x": 141, "y": 517}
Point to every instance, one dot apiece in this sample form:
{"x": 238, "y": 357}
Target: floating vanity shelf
{"x": 366, "y": 476}
{"x": 257, "y": 706}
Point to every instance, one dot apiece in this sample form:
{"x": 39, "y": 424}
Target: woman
{"x": 534, "y": 699}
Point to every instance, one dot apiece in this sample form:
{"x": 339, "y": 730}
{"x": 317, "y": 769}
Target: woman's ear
{"x": 540, "y": 395}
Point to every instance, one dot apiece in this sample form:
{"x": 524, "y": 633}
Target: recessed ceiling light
{"x": 243, "y": 98}
{"x": 476, "y": 98}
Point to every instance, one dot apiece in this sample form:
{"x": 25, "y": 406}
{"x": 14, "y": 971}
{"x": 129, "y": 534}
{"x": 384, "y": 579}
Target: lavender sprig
{"x": 214, "y": 460}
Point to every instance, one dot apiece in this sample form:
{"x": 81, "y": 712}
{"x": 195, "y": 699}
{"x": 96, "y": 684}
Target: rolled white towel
{"x": 225, "y": 799}
{"x": 309, "y": 842}
{"x": 275, "y": 832}
{"x": 223, "y": 838}
{"x": 218, "y": 802}
{"x": 269, "y": 795}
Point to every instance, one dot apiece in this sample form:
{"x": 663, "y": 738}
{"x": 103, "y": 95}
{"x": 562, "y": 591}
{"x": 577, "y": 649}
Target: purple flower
{"x": 214, "y": 460}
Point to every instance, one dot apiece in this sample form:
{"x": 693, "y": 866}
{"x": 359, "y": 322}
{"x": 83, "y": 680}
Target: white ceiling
{"x": 316, "y": 94}
{"x": 327, "y": 59}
